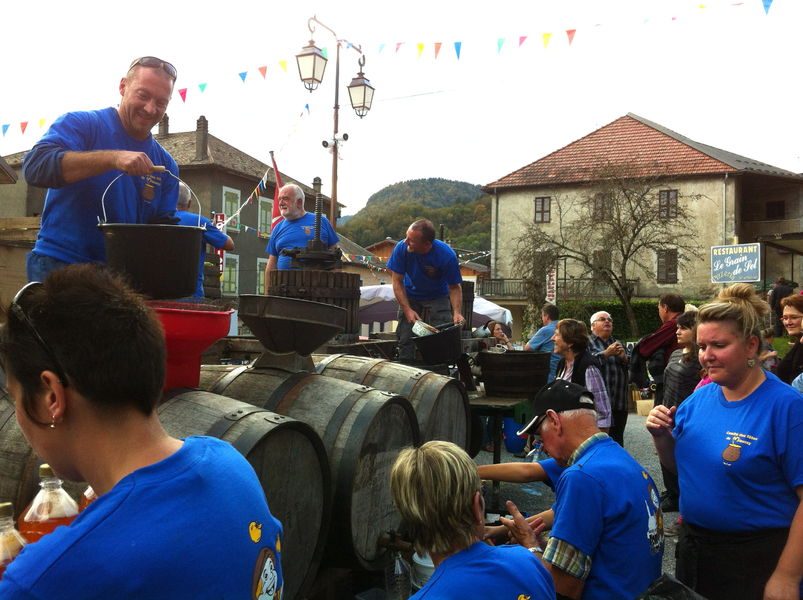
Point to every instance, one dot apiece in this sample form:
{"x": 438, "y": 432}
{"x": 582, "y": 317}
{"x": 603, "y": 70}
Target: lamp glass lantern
{"x": 311, "y": 65}
{"x": 361, "y": 93}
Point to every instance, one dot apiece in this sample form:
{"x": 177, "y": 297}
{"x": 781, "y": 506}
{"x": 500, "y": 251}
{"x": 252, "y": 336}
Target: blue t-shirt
{"x": 740, "y": 462}
{"x": 483, "y": 571}
{"x": 69, "y": 230}
{"x": 542, "y": 342}
{"x": 553, "y": 471}
{"x": 608, "y": 507}
{"x": 295, "y": 234}
{"x": 426, "y": 276}
{"x": 212, "y": 236}
{"x": 194, "y": 525}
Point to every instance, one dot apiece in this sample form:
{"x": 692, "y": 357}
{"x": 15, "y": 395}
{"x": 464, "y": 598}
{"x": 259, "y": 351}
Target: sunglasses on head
{"x": 155, "y": 63}
{"x": 21, "y": 315}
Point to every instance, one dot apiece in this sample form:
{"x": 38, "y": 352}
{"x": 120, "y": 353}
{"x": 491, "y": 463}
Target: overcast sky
{"x": 721, "y": 72}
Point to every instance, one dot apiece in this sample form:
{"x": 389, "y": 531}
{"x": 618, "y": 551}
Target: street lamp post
{"x": 311, "y": 66}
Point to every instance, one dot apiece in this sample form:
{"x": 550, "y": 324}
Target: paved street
{"x": 535, "y": 497}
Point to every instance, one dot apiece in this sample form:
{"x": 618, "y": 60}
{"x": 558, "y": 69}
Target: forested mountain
{"x": 462, "y": 208}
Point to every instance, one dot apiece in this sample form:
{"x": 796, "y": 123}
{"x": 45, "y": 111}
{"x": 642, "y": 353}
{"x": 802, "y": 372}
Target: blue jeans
{"x": 435, "y": 312}
{"x": 38, "y": 266}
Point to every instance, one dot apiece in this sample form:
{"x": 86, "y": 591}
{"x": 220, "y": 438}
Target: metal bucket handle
{"x": 156, "y": 169}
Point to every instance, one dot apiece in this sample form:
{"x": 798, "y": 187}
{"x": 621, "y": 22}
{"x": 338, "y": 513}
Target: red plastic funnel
{"x": 189, "y": 330}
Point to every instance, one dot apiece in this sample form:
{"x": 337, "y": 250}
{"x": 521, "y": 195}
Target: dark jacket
{"x": 581, "y": 363}
{"x": 792, "y": 364}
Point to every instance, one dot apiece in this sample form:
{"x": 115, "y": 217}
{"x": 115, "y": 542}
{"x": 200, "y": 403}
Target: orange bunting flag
{"x": 264, "y": 71}
{"x": 522, "y": 39}
{"x": 420, "y": 47}
{"x": 398, "y": 45}
{"x": 183, "y": 93}
{"x": 570, "y": 35}
{"x": 547, "y": 37}
{"x": 437, "y": 49}
{"x": 24, "y": 126}
{"x": 283, "y": 65}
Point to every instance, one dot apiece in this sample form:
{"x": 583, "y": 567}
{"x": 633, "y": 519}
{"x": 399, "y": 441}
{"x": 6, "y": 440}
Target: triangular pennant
{"x": 5, "y": 128}
{"x": 306, "y": 107}
{"x": 499, "y": 43}
{"x": 183, "y": 93}
{"x": 202, "y": 87}
{"x": 457, "y": 46}
{"x": 767, "y": 4}
{"x": 42, "y": 122}
{"x": 325, "y": 52}
{"x": 381, "y": 47}
{"x": 547, "y": 37}
{"x": 283, "y": 65}
{"x": 522, "y": 39}
{"x": 243, "y": 75}
{"x": 398, "y": 45}
{"x": 24, "y": 126}
{"x": 420, "y": 47}
{"x": 570, "y": 35}
{"x": 264, "y": 71}
{"x": 437, "y": 49}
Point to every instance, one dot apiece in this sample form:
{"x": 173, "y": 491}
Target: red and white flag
{"x": 276, "y": 216}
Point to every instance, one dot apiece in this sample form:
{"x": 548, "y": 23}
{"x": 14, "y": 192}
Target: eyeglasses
{"x": 791, "y": 317}
{"x": 20, "y": 314}
{"x": 606, "y": 319}
{"x": 155, "y": 63}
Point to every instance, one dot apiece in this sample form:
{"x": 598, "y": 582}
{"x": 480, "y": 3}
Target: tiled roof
{"x": 635, "y": 141}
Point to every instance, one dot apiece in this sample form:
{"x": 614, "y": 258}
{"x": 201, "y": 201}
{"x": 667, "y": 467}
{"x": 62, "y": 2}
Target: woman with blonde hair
{"x": 736, "y": 446}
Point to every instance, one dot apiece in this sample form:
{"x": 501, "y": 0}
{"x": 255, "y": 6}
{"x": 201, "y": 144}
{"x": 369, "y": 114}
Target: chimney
{"x": 164, "y": 125}
{"x": 201, "y": 138}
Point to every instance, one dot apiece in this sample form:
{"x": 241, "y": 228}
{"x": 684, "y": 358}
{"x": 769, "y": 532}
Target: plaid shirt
{"x": 614, "y": 371}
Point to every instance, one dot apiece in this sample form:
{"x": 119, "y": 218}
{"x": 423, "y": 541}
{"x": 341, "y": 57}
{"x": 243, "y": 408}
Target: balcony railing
{"x": 575, "y": 287}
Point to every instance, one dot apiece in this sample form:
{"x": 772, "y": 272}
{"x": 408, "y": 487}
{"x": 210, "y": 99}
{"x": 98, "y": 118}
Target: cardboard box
{"x": 643, "y": 407}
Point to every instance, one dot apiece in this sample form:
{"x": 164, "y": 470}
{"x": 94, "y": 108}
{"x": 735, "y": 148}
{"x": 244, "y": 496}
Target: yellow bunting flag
{"x": 283, "y": 65}
{"x": 547, "y": 37}
{"x": 42, "y": 122}
{"x": 420, "y": 47}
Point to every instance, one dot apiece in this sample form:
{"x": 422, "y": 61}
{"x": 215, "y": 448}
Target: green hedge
{"x": 646, "y": 314}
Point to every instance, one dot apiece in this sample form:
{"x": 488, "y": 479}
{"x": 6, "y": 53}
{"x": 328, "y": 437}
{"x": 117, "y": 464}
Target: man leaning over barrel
{"x": 83, "y": 152}
{"x": 426, "y": 283}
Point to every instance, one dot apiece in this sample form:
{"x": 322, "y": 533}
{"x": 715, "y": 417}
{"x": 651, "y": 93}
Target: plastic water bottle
{"x": 51, "y": 507}
{"x": 398, "y": 585}
{"x": 11, "y": 541}
{"x": 537, "y": 453}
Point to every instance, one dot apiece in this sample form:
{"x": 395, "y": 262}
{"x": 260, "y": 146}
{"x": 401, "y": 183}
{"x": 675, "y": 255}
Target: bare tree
{"x": 616, "y": 226}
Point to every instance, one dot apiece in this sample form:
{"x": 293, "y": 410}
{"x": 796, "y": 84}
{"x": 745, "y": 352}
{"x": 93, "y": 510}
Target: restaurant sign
{"x": 737, "y": 263}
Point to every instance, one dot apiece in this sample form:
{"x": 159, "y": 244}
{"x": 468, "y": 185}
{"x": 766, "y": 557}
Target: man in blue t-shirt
{"x": 607, "y": 540}
{"x": 437, "y": 490}
{"x": 426, "y": 283}
{"x": 294, "y": 231}
{"x": 542, "y": 340}
{"x": 212, "y": 236}
{"x": 79, "y": 159}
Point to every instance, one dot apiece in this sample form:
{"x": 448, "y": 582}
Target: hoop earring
{"x": 751, "y": 362}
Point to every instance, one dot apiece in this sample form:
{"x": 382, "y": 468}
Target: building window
{"x": 230, "y": 285}
{"x": 542, "y": 206}
{"x": 667, "y": 266}
{"x": 668, "y": 204}
{"x": 776, "y": 211}
{"x": 265, "y": 216}
{"x": 261, "y": 264}
{"x": 231, "y": 204}
{"x": 603, "y": 207}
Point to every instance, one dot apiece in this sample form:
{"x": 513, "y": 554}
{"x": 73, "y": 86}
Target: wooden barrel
{"x": 440, "y": 403}
{"x": 289, "y": 460}
{"x": 330, "y": 287}
{"x": 362, "y": 429}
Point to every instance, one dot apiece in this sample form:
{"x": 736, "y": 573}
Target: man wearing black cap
{"x": 607, "y": 540}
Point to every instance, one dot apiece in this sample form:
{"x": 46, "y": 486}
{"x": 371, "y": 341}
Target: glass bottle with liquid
{"x": 87, "y": 498}
{"x": 11, "y": 541}
{"x": 398, "y": 584}
{"x": 51, "y": 507}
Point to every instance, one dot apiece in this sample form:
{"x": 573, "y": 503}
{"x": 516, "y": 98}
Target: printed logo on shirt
{"x": 523, "y": 597}
{"x": 308, "y": 229}
{"x": 266, "y": 578}
{"x": 655, "y": 518}
{"x": 432, "y": 272}
{"x": 736, "y": 442}
{"x": 151, "y": 182}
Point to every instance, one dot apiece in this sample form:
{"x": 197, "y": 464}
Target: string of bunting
{"x": 419, "y": 48}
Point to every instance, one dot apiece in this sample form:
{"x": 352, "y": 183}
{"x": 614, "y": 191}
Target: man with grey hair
{"x": 613, "y": 361}
{"x": 607, "y": 539}
{"x": 294, "y": 231}
{"x": 212, "y": 235}
{"x": 437, "y": 491}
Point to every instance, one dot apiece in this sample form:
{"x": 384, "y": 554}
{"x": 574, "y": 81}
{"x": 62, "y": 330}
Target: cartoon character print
{"x": 655, "y": 518}
{"x": 266, "y": 579}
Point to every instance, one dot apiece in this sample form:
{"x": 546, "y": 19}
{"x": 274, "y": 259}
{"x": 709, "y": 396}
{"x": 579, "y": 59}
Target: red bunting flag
{"x": 437, "y": 49}
{"x": 398, "y": 45}
{"x": 264, "y": 71}
{"x": 276, "y": 216}
{"x": 522, "y": 39}
{"x": 23, "y": 126}
{"x": 570, "y": 35}
{"x": 183, "y": 93}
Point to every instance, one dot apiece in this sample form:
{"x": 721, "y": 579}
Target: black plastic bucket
{"x": 443, "y": 347}
{"x": 160, "y": 261}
